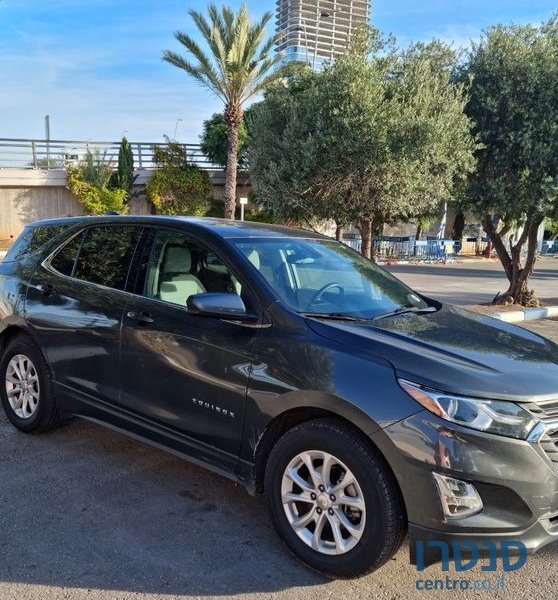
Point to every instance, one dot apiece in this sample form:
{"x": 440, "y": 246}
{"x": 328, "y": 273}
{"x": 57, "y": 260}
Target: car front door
{"x": 75, "y": 303}
{"x": 185, "y": 372}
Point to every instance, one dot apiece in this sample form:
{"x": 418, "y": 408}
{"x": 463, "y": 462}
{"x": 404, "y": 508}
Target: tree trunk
{"x": 458, "y": 226}
{"x": 366, "y": 235}
{"x": 419, "y": 231}
{"x": 233, "y": 119}
{"x": 517, "y": 273}
{"x": 339, "y": 233}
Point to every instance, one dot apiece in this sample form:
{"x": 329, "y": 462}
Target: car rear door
{"x": 75, "y": 303}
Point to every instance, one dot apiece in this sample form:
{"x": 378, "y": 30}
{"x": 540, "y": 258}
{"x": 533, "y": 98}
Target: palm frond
{"x": 211, "y": 37}
{"x": 200, "y": 75}
{"x": 194, "y": 49}
{"x": 238, "y": 56}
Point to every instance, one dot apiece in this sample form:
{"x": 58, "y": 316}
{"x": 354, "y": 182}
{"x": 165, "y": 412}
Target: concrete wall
{"x": 19, "y": 206}
{"x": 28, "y": 195}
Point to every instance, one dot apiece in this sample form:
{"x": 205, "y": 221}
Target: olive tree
{"x": 379, "y": 135}
{"x": 514, "y": 95}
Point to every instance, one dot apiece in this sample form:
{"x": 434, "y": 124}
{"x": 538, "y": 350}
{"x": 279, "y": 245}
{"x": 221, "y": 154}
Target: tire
{"x": 371, "y": 507}
{"x": 33, "y": 409}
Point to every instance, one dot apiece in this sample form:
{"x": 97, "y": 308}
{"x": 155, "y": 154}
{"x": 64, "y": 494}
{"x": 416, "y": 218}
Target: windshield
{"x": 327, "y": 277}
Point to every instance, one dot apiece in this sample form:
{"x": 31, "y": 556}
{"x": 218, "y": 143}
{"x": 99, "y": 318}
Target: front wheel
{"x": 333, "y": 499}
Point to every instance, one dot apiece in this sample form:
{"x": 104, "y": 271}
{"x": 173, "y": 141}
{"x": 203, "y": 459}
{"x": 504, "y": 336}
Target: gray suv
{"x": 289, "y": 363}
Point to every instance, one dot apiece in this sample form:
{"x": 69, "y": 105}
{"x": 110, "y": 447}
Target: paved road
{"x": 475, "y": 282}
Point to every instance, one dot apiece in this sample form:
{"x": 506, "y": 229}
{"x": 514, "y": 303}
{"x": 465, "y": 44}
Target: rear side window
{"x": 33, "y": 239}
{"x": 65, "y": 259}
{"x": 106, "y": 254}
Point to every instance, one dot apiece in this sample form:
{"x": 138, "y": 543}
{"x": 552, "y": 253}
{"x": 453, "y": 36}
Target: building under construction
{"x": 314, "y": 31}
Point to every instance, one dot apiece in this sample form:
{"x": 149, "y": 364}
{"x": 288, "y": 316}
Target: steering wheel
{"x": 317, "y": 297}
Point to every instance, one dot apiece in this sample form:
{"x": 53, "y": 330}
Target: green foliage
{"x": 176, "y": 187}
{"x": 514, "y": 92}
{"x": 379, "y": 135}
{"x": 124, "y": 177}
{"x": 89, "y": 182}
{"x": 96, "y": 169}
{"x": 514, "y": 71}
{"x": 215, "y": 208}
{"x": 214, "y": 141}
{"x": 551, "y": 225}
{"x": 235, "y": 69}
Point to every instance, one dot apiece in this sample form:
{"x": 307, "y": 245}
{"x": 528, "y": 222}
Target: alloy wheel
{"x": 22, "y": 386}
{"x": 323, "y": 502}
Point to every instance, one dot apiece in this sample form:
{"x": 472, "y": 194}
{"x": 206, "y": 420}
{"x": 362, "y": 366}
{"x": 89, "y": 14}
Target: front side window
{"x": 180, "y": 267}
{"x": 325, "y": 277}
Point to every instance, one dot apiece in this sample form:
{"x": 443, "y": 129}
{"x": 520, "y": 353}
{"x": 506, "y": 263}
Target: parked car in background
{"x": 286, "y": 361}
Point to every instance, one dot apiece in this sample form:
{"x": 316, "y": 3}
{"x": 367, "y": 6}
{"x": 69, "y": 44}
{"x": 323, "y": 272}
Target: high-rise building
{"x": 314, "y": 31}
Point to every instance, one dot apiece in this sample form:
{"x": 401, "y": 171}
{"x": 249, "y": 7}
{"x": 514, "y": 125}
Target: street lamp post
{"x": 179, "y": 120}
{"x": 319, "y": 16}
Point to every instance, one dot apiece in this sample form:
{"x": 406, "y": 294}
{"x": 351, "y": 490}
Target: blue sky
{"x": 95, "y": 65}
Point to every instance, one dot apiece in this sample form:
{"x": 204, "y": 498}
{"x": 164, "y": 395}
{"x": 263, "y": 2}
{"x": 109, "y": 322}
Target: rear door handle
{"x": 46, "y": 289}
{"x": 140, "y": 317}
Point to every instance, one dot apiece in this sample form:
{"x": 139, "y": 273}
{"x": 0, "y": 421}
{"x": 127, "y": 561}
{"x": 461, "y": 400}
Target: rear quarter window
{"x": 32, "y": 239}
{"x": 106, "y": 254}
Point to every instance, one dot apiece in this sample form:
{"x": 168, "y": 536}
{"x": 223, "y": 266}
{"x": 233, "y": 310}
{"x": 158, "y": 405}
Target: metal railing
{"x": 56, "y": 154}
{"x": 550, "y": 247}
{"x": 405, "y": 248}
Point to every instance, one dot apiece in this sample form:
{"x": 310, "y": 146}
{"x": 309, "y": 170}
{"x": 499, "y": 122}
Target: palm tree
{"x": 235, "y": 69}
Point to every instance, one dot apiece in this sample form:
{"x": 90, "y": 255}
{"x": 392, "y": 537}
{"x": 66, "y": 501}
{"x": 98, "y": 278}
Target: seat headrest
{"x": 178, "y": 259}
{"x": 254, "y": 257}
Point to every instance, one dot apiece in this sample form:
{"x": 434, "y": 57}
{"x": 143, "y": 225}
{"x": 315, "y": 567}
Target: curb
{"x": 529, "y": 314}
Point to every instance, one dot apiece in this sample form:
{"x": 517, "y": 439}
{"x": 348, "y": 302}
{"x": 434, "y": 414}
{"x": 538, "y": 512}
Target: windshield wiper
{"x": 403, "y": 310}
{"x": 332, "y": 315}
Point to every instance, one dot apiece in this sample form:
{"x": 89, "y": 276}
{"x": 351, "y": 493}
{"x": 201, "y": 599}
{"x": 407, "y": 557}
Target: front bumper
{"x": 516, "y": 480}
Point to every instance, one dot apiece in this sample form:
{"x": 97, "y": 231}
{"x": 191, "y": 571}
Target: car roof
{"x": 56, "y": 221}
{"x": 225, "y": 228}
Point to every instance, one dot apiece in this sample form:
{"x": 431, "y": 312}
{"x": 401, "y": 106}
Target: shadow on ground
{"x": 86, "y": 508}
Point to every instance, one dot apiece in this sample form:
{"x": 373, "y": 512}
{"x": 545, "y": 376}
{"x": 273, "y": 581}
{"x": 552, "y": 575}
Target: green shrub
{"x": 89, "y": 183}
{"x": 94, "y": 199}
{"x": 124, "y": 176}
{"x": 177, "y": 188}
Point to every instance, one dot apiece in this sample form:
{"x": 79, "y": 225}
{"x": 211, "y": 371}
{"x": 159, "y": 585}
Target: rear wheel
{"x": 26, "y": 387}
{"x": 333, "y": 499}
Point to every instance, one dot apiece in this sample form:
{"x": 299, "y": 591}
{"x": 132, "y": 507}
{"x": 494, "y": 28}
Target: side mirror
{"x": 220, "y": 305}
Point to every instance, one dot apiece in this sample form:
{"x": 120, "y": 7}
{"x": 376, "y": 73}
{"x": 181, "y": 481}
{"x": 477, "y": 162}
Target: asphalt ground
{"x": 474, "y": 281}
{"x": 89, "y": 514}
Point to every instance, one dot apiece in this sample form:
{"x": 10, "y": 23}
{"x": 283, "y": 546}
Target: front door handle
{"x": 46, "y": 289}
{"x": 140, "y": 317}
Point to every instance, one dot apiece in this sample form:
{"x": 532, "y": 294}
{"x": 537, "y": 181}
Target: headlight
{"x": 492, "y": 416}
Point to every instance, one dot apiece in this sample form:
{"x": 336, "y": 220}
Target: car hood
{"x": 457, "y": 351}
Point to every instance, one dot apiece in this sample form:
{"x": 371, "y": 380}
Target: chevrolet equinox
{"x": 288, "y": 362}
